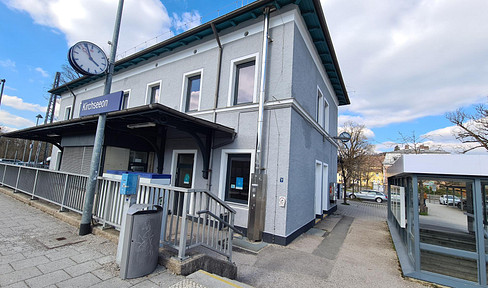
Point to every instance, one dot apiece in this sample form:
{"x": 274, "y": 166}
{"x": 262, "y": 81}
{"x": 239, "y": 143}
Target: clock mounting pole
{"x": 85, "y": 225}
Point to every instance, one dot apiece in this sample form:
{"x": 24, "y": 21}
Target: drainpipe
{"x": 262, "y": 90}
{"x": 219, "y": 69}
{"x": 216, "y": 100}
{"x": 257, "y": 200}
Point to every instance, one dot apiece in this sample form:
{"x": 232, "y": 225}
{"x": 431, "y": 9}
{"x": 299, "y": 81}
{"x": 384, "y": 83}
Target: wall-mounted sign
{"x": 239, "y": 183}
{"x": 103, "y": 104}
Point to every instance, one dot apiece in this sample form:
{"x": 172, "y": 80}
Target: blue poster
{"x": 186, "y": 180}
{"x": 239, "y": 183}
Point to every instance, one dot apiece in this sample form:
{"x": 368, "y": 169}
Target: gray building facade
{"x": 213, "y": 74}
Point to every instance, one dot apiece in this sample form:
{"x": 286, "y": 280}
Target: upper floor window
{"x": 193, "y": 93}
{"x": 153, "y": 92}
{"x": 67, "y": 113}
{"x": 125, "y": 100}
{"x": 319, "y": 113}
{"x": 322, "y": 116}
{"x": 244, "y": 83}
{"x": 326, "y": 120}
{"x": 243, "y": 80}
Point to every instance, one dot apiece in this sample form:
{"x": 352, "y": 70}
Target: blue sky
{"x": 405, "y": 63}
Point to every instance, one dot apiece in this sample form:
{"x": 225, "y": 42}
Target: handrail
{"x": 221, "y": 220}
{"x": 215, "y": 198}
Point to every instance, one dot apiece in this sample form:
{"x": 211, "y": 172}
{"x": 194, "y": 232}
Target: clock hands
{"x": 87, "y": 50}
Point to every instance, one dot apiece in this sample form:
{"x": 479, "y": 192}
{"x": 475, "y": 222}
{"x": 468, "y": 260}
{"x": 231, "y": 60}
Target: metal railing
{"x": 64, "y": 189}
{"x": 191, "y": 218}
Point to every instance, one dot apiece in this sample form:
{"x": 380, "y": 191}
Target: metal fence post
{"x": 164, "y": 223}
{"x": 231, "y": 232}
{"x": 108, "y": 204}
{"x": 4, "y": 171}
{"x": 184, "y": 228}
{"x": 64, "y": 194}
{"x": 35, "y": 184}
{"x": 17, "y": 182}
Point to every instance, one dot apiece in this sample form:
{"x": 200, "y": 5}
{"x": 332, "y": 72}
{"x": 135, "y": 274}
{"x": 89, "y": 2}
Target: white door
{"x": 318, "y": 188}
{"x": 325, "y": 188}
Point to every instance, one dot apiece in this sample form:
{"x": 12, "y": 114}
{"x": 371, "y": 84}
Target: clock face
{"x": 87, "y": 58}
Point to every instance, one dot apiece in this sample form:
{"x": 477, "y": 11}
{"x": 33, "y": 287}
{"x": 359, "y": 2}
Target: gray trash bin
{"x": 141, "y": 240}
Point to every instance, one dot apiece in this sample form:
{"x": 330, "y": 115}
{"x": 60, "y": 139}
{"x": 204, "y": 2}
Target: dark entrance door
{"x": 184, "y": 170}
{"x": 184, "y": 178}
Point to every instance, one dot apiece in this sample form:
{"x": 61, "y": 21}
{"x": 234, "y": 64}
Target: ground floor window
{"x": 237, "y": 182}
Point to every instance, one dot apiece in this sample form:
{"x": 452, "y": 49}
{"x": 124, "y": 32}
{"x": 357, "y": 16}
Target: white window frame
{"x": 223, "y": 173}
{"x": 174, "y": 160}
{"x": 184, "y": 89}
{"x": 128, "y": 99}
{"x": 319, "y": 113}
{"x": 149, "y": 89}
{"x": 232, "y": 77}
{"x": 70, "y": 116}
{"x": 326, "y": 116}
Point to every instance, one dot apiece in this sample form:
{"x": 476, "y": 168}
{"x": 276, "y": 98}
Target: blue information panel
{"x": 239, "y": 183}
{"x": 103, "y": 104}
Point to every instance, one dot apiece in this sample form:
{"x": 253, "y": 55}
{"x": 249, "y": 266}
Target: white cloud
{"x": 19, "y": 104}
{"x": 7, "y": 63}
{"x": 186, "y": 21}
{"x": 439, "y": 139}
{"x": 93, "y": 20}
{"x": 42, "y": 71}
{"x": 403, "y": 60}
{"x": 8, "y": 120}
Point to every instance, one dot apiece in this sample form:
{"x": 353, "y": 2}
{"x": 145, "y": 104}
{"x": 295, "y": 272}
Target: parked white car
{"x": 448, "y": 200}
{"x": 369, "y": 195}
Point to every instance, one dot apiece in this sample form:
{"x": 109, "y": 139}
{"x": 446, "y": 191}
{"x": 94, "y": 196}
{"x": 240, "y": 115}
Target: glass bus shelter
{"x": 438, "y": 217}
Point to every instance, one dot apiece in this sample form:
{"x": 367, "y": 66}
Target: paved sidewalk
{"x": 351, "y": 248}
{"x": 26, "y": 260}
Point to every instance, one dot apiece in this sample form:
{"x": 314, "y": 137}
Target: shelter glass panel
{"x": 484, "y": 197}
{"x": 447, "y": 228}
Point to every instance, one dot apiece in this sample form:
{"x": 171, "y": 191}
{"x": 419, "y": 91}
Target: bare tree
{"x": 352, "y": 153}
{"x": 473, "y": 129}
{"x": 68, "y": 74}
{"x": 413, "y": 142}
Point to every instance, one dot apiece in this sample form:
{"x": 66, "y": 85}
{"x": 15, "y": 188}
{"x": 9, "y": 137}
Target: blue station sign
{"x": 103, "y": 104}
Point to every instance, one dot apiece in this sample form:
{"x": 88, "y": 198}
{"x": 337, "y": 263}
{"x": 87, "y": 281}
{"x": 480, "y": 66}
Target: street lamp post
{"x": 1, "y": 91}
{"x": 39, "y": 116}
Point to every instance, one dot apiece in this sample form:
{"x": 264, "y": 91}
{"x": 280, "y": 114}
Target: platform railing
{"x": 191, "y": 218}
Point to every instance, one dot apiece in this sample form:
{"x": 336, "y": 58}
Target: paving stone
{"x": 5, "y": 268}
{"x": 11, "y": 258}
{"x": 85, "y": 280}
{"x": 17, "y": 276}
{"x": 29, "y": 262}
{"x": 113, "y": 282}
{"x": 86, "y": 256}
{"x": 20, "y": 284}
{"x": 145, "y": 284}
{"x": 56, "y": 265}
{"x": 166, "y": 279}
{"x": 56, "y": 255}
{"x": 105, "y": 259}
{"x": 82, "y": 268}
{"x": 104, "y": 274}
{"x": 47, "y": 279}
